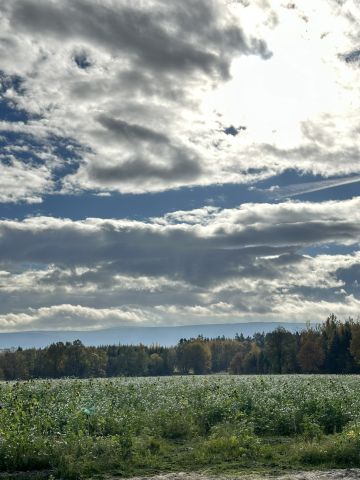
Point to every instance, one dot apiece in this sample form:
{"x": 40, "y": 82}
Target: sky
{"x": 178, "y": 163}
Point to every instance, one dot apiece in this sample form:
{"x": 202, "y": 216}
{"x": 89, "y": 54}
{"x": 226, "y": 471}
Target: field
{"x": 79, "y": 428}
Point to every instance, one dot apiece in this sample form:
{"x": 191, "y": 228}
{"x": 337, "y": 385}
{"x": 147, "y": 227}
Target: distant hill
{"x": 166, "y": 336}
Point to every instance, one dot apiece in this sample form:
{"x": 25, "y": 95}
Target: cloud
{"x": 76, "y": 317}
{"x": 20, "y": 182}
{"x": 249, "y": 260}
{"x": 110, "y": 76}
{"x": 142, "y": 32}
{"x": 143, "y": 166}
{"x": 159, "y": 245}
{"x": 299, "y": 308}
{"x": 67, "y": 317}
{"x": 123, "y": 131}
{"x": 146, "y": 91}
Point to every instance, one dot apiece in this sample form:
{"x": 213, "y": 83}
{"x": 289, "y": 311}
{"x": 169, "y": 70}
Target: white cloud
{"x": 19, "y": 182}
{"x": 146, "y": 90}
{"x": 301, "y": 309}
{"x": 67, "y": 317}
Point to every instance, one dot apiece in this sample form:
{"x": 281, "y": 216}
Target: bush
{"x": 229, "y": 442}
{"x": 24, "y": 451}
{"x": 341, "y": 450}
{"x": 91, "y": 455}
{"x": 211, "y": 415}
{"x": 311, "y": 430}
{"x": 175, "y": 425}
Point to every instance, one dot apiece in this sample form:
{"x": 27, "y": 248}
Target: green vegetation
{"x": 134, "y": 426}
{"x": 332, "y": 348}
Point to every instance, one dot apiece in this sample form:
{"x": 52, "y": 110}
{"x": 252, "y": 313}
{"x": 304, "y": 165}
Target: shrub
{"x": 229, "y": 442}
{"x": 175, "y": 425}
{"x": 311, "y": 430}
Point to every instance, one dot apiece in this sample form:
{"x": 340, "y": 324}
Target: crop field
{"x": 137, "y": 426}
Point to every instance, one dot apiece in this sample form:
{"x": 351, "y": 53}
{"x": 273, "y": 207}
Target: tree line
{"x": 332, "y": 347}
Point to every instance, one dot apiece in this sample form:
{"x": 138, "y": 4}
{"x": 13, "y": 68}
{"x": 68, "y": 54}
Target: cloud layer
{"x": 204, "y": 265}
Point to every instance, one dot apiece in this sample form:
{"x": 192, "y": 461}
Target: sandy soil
{"x": 349, "y": 474}
{"x": 329, "y": 475}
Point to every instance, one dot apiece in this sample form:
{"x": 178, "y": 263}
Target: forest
{"x": 332, "y": 347}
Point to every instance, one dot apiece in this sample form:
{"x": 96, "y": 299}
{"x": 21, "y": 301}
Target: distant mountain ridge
{"x": 165, "y": 336}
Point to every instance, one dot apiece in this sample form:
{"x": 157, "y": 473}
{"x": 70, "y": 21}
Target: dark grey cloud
{"x": 181, "y": 37}
{"x": 179, "y": 168}
{"x": 131, "y": 132}
{"x": 338, "y": 161}
{"x": 134, "y": 84}
{"x": 296, "y": 233}
{"x": 152, "y": 84}
{"x": 206, "y": 262}
{"x": 155, "y": 158}
{"x": 315, "y": 294}
{"x": 252, "y": 241}
{"x": 101, "y": 299}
